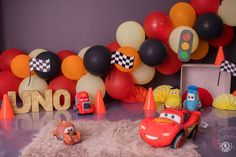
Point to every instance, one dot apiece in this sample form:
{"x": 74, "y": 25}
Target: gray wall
{"x": 74, "y": 24}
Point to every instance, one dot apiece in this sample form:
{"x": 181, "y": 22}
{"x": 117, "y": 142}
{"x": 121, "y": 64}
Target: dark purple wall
{"x": 74, "y": 24}
{"x": 70, "y": 24}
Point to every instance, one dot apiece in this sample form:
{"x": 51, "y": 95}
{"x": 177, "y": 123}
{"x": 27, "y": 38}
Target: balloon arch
{"x": 141, "y": 51}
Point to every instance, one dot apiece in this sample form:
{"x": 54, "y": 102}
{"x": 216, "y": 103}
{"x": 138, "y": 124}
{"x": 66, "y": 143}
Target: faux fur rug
{"x": 102, "y": 139}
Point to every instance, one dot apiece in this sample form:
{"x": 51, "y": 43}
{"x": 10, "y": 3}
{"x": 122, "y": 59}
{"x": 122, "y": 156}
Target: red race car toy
{"x": 66, "y": 132}
{"x": 170, "y": 128}
{"x": 83, "y": 104}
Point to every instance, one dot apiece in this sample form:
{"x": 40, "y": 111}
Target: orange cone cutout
{"x": 99, "y": 103}
{"x": 220, "y": 56}
{"x": 6, "y": 109}
{"x": 149, "y": 102}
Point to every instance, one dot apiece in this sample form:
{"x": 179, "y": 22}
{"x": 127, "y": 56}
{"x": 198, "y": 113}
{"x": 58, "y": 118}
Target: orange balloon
{"x": 182, "y": 14}
{"x": 131, "y": 52}
{"x": 234, "y": 93}
{"x": 20, "y": 66}
{"x": 201, "y": 50}
{"x": 72, "y": 67}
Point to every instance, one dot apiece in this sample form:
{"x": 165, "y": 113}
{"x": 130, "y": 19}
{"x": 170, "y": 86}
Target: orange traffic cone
{"x": 149, "y": 102}
{"x": 6, "y": 109}
{"x": 220, "y": 56}
{"x": 99, "y": 103}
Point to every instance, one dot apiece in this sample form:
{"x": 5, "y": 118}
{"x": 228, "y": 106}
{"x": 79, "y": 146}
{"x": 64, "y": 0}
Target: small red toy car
{"x": 66, "y": 132}
{"x": 83, "y": 104}
{"x": 170, "y": 128}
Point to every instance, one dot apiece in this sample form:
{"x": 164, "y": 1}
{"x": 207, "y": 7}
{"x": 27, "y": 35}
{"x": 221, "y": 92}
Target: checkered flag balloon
{"x": 40, "y": 65}
{"x": 228, "y": 67}
{"x": 123, "y": 60}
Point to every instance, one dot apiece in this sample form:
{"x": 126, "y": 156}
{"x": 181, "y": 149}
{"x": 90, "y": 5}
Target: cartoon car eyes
{"x": 68, "y": 129}
{"x": 174, "y": 92}
{"x": 191, "y": 97}
{"x": 173, "y": 117}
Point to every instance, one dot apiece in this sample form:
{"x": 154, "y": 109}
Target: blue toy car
{"x": 192, "y": 102}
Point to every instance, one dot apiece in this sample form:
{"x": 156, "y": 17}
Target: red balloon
{"x": 225, "y": 38}
{"x": 8, "y": 82}
{"x": 204, "y": 95}
{"x": 61, "y": 82}
{"x": 158, "y": 25}
{"x": 113, "y": 46}
{"x": 171, "y": 65}
{"x": 7, "y": 56}
{"x": 119, "y": 84}
{"x": 64, "y": 53}
{"x": 205, "y": 6}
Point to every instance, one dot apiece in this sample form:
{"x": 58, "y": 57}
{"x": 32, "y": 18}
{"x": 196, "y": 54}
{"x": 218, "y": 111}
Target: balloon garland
{"x": 207, "y": 21}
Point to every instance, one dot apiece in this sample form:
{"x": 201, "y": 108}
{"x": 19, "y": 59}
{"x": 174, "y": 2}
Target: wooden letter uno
{"x": 56, "y": 100}
{"x": 26, "y": 102}
{"x": 37, "y": 99}
{"x": 33, "y": 99}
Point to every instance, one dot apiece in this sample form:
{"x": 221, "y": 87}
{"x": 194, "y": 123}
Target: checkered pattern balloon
{"x": 123, "y": 60}
{"x": 228, "y": 67}
{"x": 40, "y": 65}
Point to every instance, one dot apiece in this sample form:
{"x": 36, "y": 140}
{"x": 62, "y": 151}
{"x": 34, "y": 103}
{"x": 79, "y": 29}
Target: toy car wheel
{"x": 178, "y": 141}
{"x": 193, "y": 133}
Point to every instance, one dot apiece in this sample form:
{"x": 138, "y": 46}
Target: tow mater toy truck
{"x": 170, "y": 128}
{"x": 83, "y": 104}
{"x": 66, "y": 132}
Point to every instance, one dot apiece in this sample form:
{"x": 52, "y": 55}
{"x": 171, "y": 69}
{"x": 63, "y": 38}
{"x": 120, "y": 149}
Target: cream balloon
{"x": 174, "y": 38}
{"x": 227, "y": 11}
{"x": 83, "y": 51}
{"x": 36, "y": 52}
{"x": 91, "y": 84}
{"x": 130, "y": 34}
{"x": 36, "y": 83}
{"x": 143, "y": 74}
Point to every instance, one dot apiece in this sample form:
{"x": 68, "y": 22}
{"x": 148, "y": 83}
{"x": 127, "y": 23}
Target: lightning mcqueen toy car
{"x": 170, "y": 128}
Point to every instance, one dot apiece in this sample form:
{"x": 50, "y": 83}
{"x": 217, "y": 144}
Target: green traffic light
{"x": 184, "y": 55}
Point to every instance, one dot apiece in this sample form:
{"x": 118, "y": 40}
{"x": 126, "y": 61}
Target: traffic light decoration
{"x": 185, "y": 45}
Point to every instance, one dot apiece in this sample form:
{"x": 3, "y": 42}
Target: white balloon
{"x": 227, "y": 11}
{"x": 143, "y": 74}
{"x": 36, "y": 52}
{"x": 83, "y": 51}
{"x": 130, "y": 33}
{"x": 175, "y": 38}
{"x": 36, "y": 83}
{"x": 91, "y": 84}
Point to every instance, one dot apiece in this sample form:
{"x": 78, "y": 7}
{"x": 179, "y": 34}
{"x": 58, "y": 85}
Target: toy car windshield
{"x": 86, "y": 105}
{"x": 172, "y": 117}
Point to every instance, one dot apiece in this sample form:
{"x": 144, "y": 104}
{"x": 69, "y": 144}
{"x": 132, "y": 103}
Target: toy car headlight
{"x": 143, "y": 127}
{"x": 166, "y": 134}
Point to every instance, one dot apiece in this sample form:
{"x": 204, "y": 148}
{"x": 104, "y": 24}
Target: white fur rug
{"x": 102, "y": 139}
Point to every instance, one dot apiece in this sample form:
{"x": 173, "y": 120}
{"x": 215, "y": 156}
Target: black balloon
{"x": 152, "y": 52}
{"x": 209, "y": 26}
{"x": 97, "y": 60}
{"x": 55, "y": 64}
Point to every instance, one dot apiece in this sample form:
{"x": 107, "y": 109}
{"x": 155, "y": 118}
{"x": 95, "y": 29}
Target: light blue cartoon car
{"x": 192, "y": 101}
